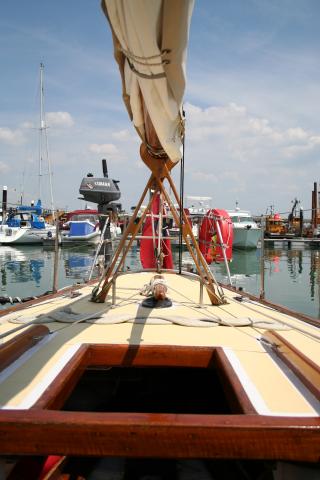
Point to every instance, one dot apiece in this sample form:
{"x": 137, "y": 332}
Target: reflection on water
{"x": 292, "y": 276}
{"x": 28, "y": 270}
{"x": 16, "y": 265}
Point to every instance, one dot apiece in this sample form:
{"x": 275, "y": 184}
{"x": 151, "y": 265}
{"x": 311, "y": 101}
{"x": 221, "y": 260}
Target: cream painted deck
{"x": 271, "y": 388}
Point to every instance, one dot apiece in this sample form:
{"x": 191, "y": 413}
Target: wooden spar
{"x": 132, "y": 228}
{"x": 153, "y": 155}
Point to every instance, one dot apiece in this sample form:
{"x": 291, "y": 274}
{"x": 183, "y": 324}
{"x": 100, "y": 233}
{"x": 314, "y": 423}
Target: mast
{"x": 152, "y": 55}
{"x": 43, "y": 143}
{"x": 41, "y": 131}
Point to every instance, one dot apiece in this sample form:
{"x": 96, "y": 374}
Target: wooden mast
{"x": 154, "y": 156}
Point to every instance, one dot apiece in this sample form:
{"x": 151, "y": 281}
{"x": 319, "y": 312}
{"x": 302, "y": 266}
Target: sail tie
{"x": 148, "y": 76}
{"x": 145, "y": 61}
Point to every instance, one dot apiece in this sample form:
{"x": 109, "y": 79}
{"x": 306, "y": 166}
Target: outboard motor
{"x": 4, "y": 203}
{"x": 102, "y": 191}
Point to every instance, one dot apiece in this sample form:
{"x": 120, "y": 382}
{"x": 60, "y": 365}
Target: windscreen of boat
{"x": 83, "y": 217}
{"x": 237, "y": 219}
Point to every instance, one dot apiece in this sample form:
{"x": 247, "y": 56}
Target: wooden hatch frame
{"x": 44, "y": 429}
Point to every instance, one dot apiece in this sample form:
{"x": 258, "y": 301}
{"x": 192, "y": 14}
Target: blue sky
{"x": 252, "y": 101}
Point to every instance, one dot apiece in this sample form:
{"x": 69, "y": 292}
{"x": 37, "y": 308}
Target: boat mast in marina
{"x": 44, "y": 157}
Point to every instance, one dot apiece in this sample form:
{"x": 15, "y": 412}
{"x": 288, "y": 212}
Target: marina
{"x": 28, "y": 271}
{"x": 176, "y": 339}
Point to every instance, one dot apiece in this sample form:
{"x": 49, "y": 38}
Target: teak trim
{"x": 145, "y": 356}
{"x": 159, "y": 435}
{"x": 305, "y": 369}
{"x": 45, "y": 430}
{"x": 18, "y": 345}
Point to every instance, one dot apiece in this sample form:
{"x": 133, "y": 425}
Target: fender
{"x": 209, "y": 241}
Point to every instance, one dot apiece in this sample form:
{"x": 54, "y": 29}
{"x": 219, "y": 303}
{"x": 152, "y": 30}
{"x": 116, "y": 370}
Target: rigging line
{"x": 216, "y": 318}
{"x": 192, "y": 301}
{"x": 153, "y": 235}
{"x": 98, "y": 248}
{"x": 293, "y": 327}
{"x": 121, "y": 303}
{"x": 159, "y": 259}
{"x": 50, "y": 175}
{"x": 181, "y": 197}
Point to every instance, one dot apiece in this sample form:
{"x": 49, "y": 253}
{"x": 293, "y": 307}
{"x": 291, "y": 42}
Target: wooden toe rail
{"x": 305, "y": 369}
{"x": 14, "y": 348}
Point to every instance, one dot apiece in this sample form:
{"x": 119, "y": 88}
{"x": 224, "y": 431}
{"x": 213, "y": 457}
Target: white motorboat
{"x": 83, "y": 227}
{"x": 82, "y": 231}
{"x": 246, "y": 232}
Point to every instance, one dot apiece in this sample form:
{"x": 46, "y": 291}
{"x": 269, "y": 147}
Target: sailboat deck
{"x": 239, "y": 330}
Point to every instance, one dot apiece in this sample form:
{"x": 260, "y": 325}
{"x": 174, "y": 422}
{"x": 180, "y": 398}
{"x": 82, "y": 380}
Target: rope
{"x": 145, "y": 60}
{"x": 151, "y": 76}
{"x": 156, "y": 152}
{"x": 147, "y": 289}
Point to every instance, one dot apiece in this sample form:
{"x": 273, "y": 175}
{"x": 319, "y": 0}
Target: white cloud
{"x": 232, "y": 154}
{"x": 28, "y": 125}
{"x": 107, "y": 148}
{"x": 123, "y": 135}
{"x": 246, "y": 137}
{"x": 297, "y": 134}
{"x": 12, "y": 137}
{"x": 59, "y": 119}
{"x": 4, "y": 167}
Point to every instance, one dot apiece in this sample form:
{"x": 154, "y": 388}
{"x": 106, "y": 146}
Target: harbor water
{"x": 291, "y": 275}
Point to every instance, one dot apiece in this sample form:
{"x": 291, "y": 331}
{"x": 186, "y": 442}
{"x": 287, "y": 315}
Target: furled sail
{"x": 150, "y": 41}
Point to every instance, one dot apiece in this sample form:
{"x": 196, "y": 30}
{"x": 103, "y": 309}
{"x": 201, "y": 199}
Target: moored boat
{"x": 24, "y": 225}
{"x": 81, "y": 226}
{"x": 246, "y": 232}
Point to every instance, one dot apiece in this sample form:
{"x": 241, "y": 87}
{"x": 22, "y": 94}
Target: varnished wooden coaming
{"x": 142, "y": 356}
{"x": 159, "y": 435}
{"x": 46, "y": 430}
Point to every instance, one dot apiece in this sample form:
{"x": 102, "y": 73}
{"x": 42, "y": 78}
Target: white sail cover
{"x": 150, "y": 40}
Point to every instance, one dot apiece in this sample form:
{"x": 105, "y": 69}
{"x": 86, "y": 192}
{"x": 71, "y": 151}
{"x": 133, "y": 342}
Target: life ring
{"x": 210, "y": 243}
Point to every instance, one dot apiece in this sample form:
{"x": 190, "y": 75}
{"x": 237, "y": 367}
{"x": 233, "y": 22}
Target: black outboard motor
{"x": 102, "y": 191}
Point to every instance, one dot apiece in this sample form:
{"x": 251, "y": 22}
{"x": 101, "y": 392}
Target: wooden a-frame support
{"x": 160, "y": 169}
